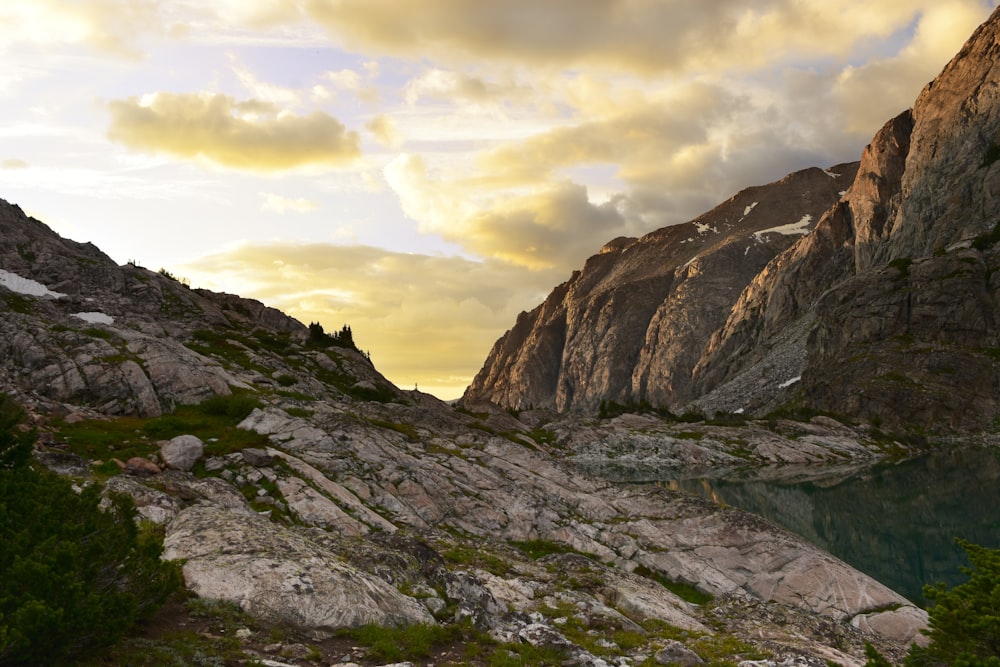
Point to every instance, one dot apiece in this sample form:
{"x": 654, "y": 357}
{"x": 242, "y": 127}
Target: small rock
{"x": 243, "y": 633}
{"x": 676, "y": 653}
{"x": 140, "y": 467}
{"x": 214, "y": 463}
{"x": 258, "y": 458}
{"x": 182, "y": 452}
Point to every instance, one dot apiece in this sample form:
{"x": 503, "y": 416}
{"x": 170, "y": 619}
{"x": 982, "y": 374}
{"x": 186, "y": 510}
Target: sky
{"x": 425, "y": 170}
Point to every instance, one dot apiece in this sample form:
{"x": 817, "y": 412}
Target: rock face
{"x": 886, "y": 309}
{"x": 630, "y": 325}
{"x": 280, "y": 577}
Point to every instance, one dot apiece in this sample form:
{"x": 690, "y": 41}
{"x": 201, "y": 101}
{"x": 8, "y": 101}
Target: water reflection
{"x": 894, "y": 522}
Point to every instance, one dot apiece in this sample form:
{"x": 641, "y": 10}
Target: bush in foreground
{"x": 73, "y": 576}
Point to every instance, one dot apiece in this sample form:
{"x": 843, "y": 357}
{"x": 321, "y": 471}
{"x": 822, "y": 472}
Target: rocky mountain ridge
{"x": 884, "y": 308}
{"x": 296, "y": 482}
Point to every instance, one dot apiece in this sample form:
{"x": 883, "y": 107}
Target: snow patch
{"x": 95, "y": 317}
{"x": 702, "y": 228}
{"x": 21, "y": 285}
{"x": 789, "y": 383}
{"x": 749, "y": 208}
{"x": 738, "y": 411}
{"x": 800, "y": 227}
{"x": 831, "y": 174}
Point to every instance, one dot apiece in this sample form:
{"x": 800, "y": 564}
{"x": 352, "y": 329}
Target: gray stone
{"x": 676, "y": 653}
{"x": 182, "y": 452}
{"x": 258, "y": 458}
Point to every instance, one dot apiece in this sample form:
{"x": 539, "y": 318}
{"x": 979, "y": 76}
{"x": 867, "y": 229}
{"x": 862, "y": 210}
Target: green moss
{"x": 684, "y": 591}
{"x": 987, "y": 240}
{"x": 902, "y": 265}
{"x": 406, "y": 429}
{"x": 992, "y": 154}
{"x": 541, "y": 548}
{"x": 18, "y": 303}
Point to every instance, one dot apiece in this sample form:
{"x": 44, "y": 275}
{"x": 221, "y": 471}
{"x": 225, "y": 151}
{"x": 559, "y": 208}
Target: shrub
{"x": 964, "y": 622}
{"x": 73, "y": 577}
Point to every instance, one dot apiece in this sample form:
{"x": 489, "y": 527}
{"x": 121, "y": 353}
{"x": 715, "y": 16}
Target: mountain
{"x": 293, "y": 480}
{"x": 883, "y": 306}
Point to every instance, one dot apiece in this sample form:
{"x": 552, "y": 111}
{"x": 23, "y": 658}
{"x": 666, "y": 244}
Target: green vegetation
{"x": 541, "y": 548}
{"x": 990, "y": 238}
{"x": 214, "y": 421}
{"x": 992, "y": 154}
{"x": 18, "y": 303}
{"x": 73, "y": 577}
{"x": 406, "y": 429}
{"x": 216, "y": 646}
{"x": 964, "y": 622}
{"x": 475, "y": 556}
{"x": 318, "y": 338}
{"x": 683, "y": 591}
{"x": 411, "y": 642}
{"x": 902, "y": 264}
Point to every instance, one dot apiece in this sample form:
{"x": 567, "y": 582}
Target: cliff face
{"x": 630, "y": 325}
{"x": 885, "y": 310}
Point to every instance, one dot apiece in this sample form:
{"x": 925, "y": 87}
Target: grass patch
{"x": 18, "y": 303}
{"x": 541, "y": 548}
{"x": 684, "y": 591}
{"x": 412, "y": 642}
{"x": 214, "y": 421}
{"x": 406, "y": 429}
{"x": 543, "y": 436}
{"x": 901, "y": 264}
{"x": 472, "y": 556}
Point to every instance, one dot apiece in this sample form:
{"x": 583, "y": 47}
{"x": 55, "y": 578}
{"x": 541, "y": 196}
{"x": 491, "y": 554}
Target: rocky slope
{"x": 886, "y": 309}
{"x": 298, "y": 483}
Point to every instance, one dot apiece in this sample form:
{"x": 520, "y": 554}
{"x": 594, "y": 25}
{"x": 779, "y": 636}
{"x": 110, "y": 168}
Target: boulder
{"x": 182, "y": 452}
{"x": 676, "y": 653}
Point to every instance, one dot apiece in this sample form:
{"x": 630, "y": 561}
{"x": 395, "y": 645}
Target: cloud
{"x": 644, "y": 36}
{"x": 110, "y": 26}
{"x": 264, "y": 91}
{"x": 872, "y": 93}
{"x": 384, "y": 129}
{"x": 456, "y": 87}
{"x": 426, "y": 319}
{"x": 280, "y": 204}
{"x": 249, "y": 135}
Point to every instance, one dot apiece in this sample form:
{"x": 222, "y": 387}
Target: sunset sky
{"x": 424, "y": 170}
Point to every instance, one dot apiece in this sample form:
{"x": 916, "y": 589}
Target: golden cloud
{"x": 425, "y": 319}
{"x": 555, "y": 226}
{"x": 873, "y": 93}
{"x": 384, "y": 129}
{"x": 638, "y": 35}
{"x": 249, "y": 135}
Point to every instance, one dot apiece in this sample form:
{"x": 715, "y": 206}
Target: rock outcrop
{"x": 885, "y": 310}
{"x": 629, "y": 327}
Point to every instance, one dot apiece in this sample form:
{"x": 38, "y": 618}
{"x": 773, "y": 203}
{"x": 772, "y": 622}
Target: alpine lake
{"x": 896, "y": 522}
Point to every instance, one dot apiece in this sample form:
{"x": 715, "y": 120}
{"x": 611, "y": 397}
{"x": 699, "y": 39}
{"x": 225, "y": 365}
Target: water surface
{"x": 895, "y": 522}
